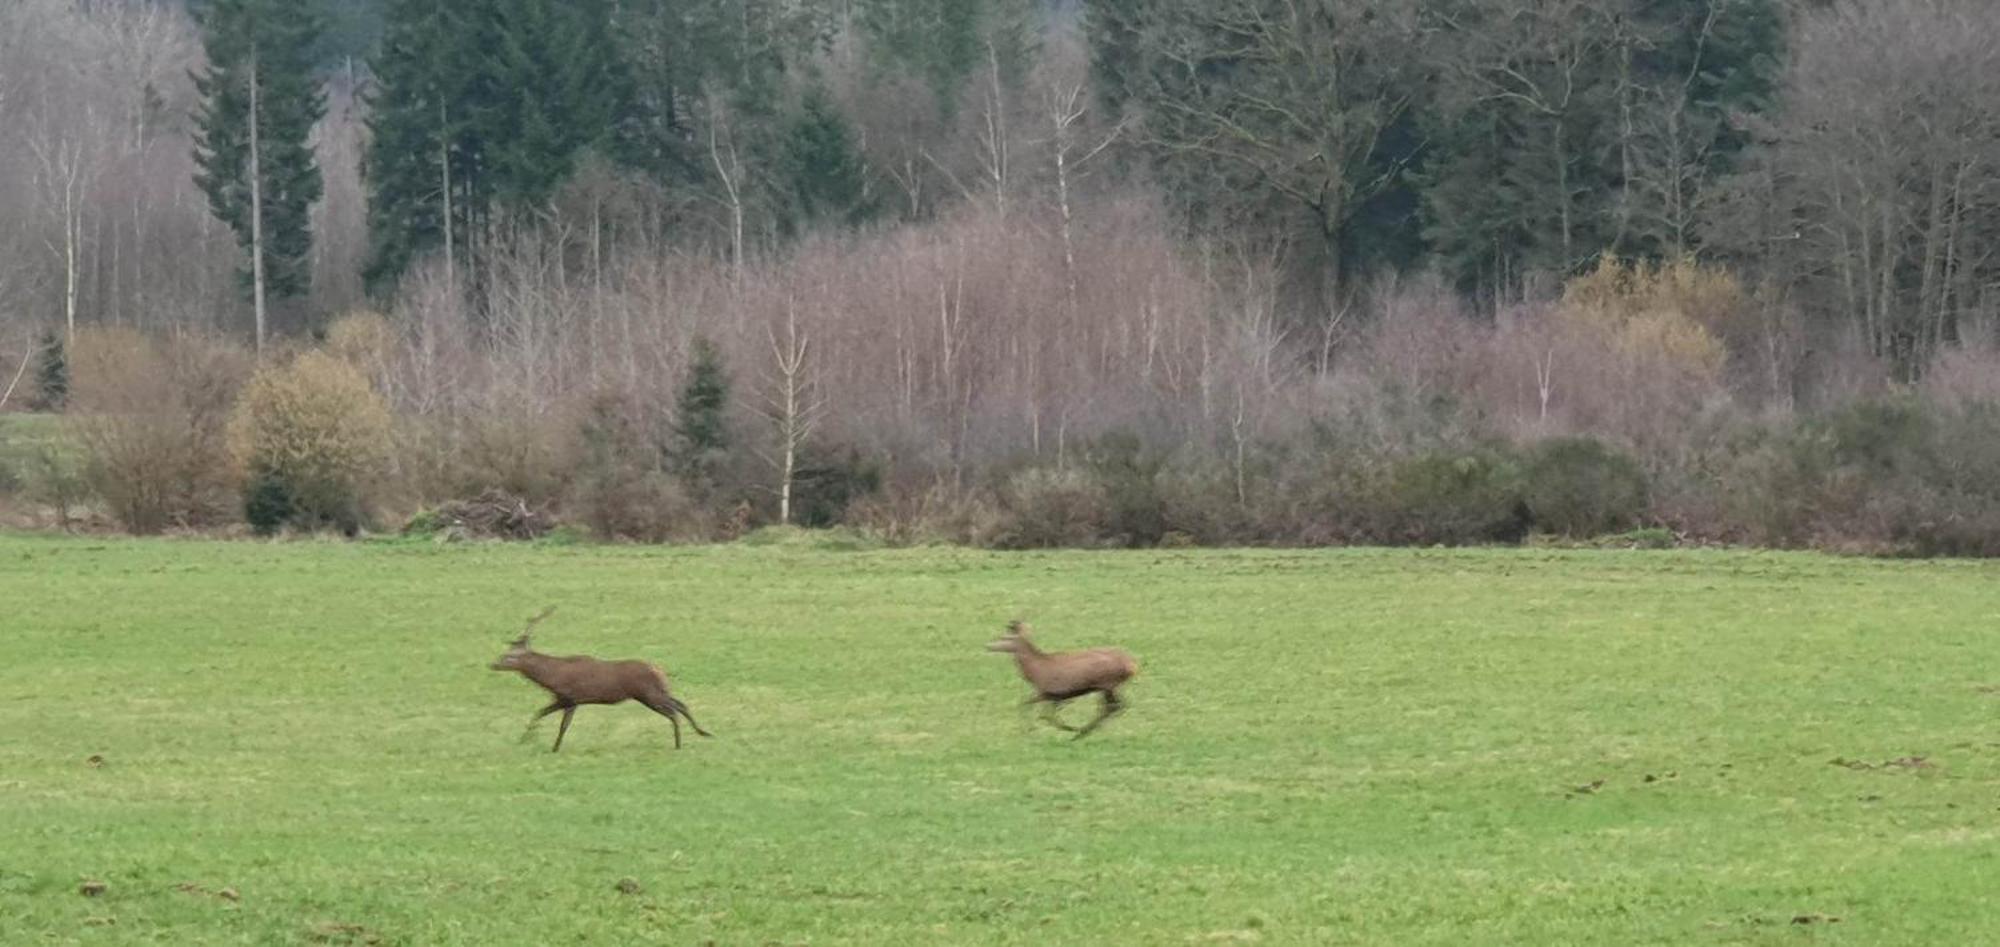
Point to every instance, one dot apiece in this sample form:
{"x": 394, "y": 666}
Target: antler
{"x": 532, "y": 622}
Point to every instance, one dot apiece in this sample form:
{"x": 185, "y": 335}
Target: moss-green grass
{"x": 1323, "y": 748}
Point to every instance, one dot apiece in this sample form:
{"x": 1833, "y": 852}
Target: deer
{"x": 1062, "y": 676}
{"x": 576, "y": 680}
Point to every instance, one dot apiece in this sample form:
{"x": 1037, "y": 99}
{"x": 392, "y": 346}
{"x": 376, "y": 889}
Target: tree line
{"x": 1013, "y": 249}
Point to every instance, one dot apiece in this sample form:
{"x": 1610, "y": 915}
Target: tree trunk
{"x": 444, "y": 174}
{"x": 256, "y": 206}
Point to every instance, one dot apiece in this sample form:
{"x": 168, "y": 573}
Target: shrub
{"x": 527, "y": 455}
{"x": 1770, "y": 487}
{"x": 1454, "y": 498}
{"x": 54, "y": 474}
{"x": 1879, "y": 438}
{"x": 935, "y": 512}
{"x": 150, "y": 420}
{"x": 827, "y": 483}
{"x": 267, "y": 504}
{"x": 1201, "y": 507}
{"x": 1048, "y": 508}
{"x": 1578, "y": 487}
{"x": 619, "y": 491}
{"x": 423, "y": 523}
{"x": 318, "y": 433}
{"x": 366, "y": 341}
{"x": 1649, "y": 537}
{"x": 1669, "y": 312}
{"x": 1127, "y": 471}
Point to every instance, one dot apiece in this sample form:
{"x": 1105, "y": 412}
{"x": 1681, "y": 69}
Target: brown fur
{"x": 575, "y": 680}
{"x": 1062, "y": 676}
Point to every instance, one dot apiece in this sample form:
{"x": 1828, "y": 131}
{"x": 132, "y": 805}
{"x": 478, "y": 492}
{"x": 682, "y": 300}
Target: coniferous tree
{"x": 484, "y": 106}
{"x": 423, "y": 165}
{"x": 828, "y": 181}
{"x": 51, "y": 374}
{"x": 253, "y": 147}
{"x": 946, "y": 42}
{"x": 701, "y": 431}
{"x": 1112, "y": 29}
{"x": 564, "y": 90}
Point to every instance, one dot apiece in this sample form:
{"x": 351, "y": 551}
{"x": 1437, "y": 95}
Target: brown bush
{"x": 317, "y": 431}
{"x": 150, "y": 417}
{"x": 923, "y": 513}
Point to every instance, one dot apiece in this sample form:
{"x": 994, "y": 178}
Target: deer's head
{"x": 511, "y": 659}
{"x": 519, "y": 649}
{"x": 1014, "y": 640}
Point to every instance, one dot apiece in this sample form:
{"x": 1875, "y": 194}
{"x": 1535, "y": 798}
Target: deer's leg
{"x": 1052, "y": 715}
{"x": 682, "y": 709}
{"x": 1111, "y": 707}
{"x": 568, "y": 712}
{"x": 553, "y": 706}
{"x": 664, "y": 706}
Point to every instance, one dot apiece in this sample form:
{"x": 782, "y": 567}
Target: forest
{"x": 1013, "y": 273}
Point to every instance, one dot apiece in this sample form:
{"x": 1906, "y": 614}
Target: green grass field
{"x": 1382, "y": 747}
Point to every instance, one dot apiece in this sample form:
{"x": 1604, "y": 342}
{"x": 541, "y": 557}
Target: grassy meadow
{"x": 301, "y": 743}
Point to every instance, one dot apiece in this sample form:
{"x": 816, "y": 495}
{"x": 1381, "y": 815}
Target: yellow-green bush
{"x": 310, "y": 438}
{"x": 1663, "y": 313}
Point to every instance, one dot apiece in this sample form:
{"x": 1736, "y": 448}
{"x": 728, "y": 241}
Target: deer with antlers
{"x": 1061, "y": 676}
{"x": 576, "y": 680}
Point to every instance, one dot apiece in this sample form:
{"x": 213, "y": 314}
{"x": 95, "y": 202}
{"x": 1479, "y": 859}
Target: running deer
{"x": 578, "y": 680}
{"x": 1063, "y": 676}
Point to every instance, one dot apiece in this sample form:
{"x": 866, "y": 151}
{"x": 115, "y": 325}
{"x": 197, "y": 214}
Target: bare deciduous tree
{"x": 793, "y": 403}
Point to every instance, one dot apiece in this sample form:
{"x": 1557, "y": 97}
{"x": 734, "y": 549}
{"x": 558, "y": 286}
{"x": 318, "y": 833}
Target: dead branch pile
{"x": 494, "y": 514}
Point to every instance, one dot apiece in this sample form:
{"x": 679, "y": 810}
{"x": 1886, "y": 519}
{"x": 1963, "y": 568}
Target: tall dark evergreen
{"x": 1112, "y": 29}
{"x": 1562, "y": 136}
{"x": 483, "y": 107}
{"x": 701, "y": 425}
{"x": 51, "y": 374}
{"x": 947, "y": 42}
{"x": 829, "y": 184}
{"x": 253, "y": 147}
{"x": 562, "y": 90}
{"x": 424, "y": 164}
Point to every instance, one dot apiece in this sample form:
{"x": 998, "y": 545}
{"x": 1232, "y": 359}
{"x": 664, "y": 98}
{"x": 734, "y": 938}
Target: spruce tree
{"x": 422, "y": 168}
{"x": 828, "y": 183}
{"x": 566, "y": 91}
{"x": 945, "y": 42}
{"x": 51, "y": 374}
{"x": 701, "y": 432}
{"x": 484, "y": 106}
{"x": 1112, "y": 28}
{"x": 253, "y": 148}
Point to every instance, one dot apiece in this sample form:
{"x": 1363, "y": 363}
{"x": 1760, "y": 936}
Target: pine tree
{"x": 253, "y": 148}
{"x": 828, "y": 183}
{"x": 701, "y": 431}
{"x": 51, "y": 374}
